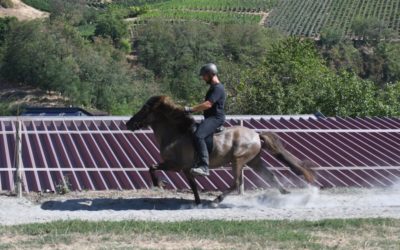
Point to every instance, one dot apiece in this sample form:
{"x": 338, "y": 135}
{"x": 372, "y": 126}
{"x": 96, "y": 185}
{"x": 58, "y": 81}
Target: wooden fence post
{"x": 18, "y": 160}
{"x": 241, "y": 189}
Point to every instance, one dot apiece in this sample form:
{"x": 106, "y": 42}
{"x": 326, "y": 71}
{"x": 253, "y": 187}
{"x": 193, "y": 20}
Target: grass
{"x": 326, "y": 234}
{"x": 43, "y": 5}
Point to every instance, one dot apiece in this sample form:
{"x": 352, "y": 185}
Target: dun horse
{"x": 237, "y": 145}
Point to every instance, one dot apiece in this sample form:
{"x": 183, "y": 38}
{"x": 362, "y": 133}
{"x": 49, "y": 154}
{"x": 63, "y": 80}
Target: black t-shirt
{"x": 216, "y": 95}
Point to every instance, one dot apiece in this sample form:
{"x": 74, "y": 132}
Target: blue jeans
{"x": 206, "y": 128}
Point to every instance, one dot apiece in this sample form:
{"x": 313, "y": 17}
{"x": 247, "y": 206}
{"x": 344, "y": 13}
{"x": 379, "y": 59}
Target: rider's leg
{"x": 206, "y": 128}
{"x": 201, "y": 166}
{"x": 202, "y": 152}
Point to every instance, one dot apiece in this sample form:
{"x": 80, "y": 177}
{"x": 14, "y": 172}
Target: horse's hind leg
{"x": 237, "y": 167}
{"x": 257, "y": 165}
{"x": 193, "y": 186}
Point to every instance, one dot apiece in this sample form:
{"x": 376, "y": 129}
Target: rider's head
{"x": 208, "y": 72}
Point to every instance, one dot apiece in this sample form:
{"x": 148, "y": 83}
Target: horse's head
{"x": 146, "y": 115}
{"x": 160, "y": 109}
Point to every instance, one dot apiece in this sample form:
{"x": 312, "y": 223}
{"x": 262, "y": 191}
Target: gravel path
{"x": 306, "y": 204}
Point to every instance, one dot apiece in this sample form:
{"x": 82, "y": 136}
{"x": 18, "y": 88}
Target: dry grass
{"x": 365, "y": 237}
{"x": 113, "y": 241}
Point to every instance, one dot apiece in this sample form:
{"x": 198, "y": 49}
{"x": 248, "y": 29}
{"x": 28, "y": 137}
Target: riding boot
{"x": 201, "y": 167}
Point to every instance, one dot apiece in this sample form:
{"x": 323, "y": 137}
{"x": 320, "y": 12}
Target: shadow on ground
{"x": 121, "y": 204}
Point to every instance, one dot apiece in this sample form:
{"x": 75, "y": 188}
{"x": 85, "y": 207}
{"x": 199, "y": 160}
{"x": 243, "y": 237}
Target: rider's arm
{"x": 215, "y": 95}
{"x": 200, "y": 107}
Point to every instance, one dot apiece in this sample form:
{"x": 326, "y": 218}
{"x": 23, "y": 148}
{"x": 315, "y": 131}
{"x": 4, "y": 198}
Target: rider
{"x": 214, "y": 116}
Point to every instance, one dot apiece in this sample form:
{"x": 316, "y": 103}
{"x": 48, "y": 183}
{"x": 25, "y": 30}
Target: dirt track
{"x": 308, "y": 204}
{"x": 22, "y": 11}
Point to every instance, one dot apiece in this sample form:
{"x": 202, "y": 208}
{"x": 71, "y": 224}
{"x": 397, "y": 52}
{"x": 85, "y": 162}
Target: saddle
{"x": 209, "y": 139}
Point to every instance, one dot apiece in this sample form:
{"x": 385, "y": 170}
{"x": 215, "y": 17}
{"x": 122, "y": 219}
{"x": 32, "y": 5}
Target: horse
{"x": 238, "y": 145}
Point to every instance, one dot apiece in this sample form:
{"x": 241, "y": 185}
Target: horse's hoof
{"x": 214, "y": 204}
{"x": 284, "y": 191}
{"x": 158, "y": 189}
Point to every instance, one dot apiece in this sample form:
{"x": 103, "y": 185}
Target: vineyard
{"x": 220, "y": 5}
{"x": 123, "y": 3}
{"x": 303, "y": 18}
{"x": 203, "y": 16}
{"x": 309, "y": 17}
{"x": 209, "y": 11}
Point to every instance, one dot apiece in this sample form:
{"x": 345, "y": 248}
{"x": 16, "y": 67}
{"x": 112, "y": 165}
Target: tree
{"x": 53, "y": 56}
{"x": 294, "y": 80}
{"x": 390, "y": 55}
{"x": 370, "y": 29}
{"x": 71, "y": 11}
{"x": 5, "y": 25}
{"x": 175, "y": 52}
{"x": 112, "y": 25}
{"x": 330, "y": 37}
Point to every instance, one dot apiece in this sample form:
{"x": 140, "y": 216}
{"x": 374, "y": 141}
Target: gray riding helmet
{"x": 209, "y": 68}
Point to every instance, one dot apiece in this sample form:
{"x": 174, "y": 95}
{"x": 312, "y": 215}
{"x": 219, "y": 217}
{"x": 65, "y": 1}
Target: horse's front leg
{"x": 158, "y": 167}
{"x": 154, "y": 178}
{"x": 193, "y": 186}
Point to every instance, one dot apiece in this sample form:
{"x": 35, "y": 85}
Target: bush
{"x": 370, "y": 29}
{"x": 57, "y": 58}
{"x": 134, "y": 11}
{"x": 73, "y": 12}
{"x": 331, "y": 36}
{"x": 175, "y": 53}
{"x": 125, "y": 45}
{"x": 6, "y": 109}
{"x": 5, "y": 25}
{"x": 111, "y": 25}
{"x": 295, "y": 80}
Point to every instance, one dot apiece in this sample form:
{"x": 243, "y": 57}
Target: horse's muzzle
{"x": 134, "y": 126}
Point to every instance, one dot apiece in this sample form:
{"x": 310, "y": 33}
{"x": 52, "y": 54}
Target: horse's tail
{"x": 272, "y": 143}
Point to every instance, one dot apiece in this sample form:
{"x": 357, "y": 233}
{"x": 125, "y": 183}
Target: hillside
{"x": 22, "y": 11}
{"x": 14, "y": 98}
{"x": 303, "y": 18}
{"x": 82, "y": 52}
{"x": 309, "y": 17}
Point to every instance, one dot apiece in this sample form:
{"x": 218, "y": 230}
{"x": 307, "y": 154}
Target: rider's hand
{"x": 188, "y": 110}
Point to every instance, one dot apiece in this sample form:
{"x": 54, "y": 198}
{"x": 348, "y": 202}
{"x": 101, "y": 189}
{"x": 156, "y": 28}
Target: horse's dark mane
{"x": 173, "y": 112}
